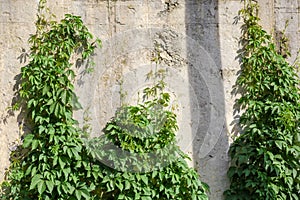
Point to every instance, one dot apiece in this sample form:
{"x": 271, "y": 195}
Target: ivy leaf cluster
{"x": 266, "y": 156}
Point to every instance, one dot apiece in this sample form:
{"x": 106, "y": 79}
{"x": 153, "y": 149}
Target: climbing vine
{"x": 52, "y": 162}
{"x": 266, "y": 156}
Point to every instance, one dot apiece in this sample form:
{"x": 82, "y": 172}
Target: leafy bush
{"x": 139, "y": 146}
{"x": 266, "y": 156}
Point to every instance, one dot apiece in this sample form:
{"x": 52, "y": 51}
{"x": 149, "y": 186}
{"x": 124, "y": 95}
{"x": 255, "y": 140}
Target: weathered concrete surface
{"x": 288, "y": 12}
{"x": 198, "y": 43}
{"x": 16, "y": 22}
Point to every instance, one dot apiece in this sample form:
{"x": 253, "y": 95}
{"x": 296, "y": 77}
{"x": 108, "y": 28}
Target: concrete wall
{"x": 198, "y": 41}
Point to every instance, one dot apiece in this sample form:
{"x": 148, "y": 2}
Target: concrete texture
{"x": 197, "y": 41}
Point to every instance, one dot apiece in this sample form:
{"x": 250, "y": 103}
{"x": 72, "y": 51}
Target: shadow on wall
{"x": 210, "y": 140}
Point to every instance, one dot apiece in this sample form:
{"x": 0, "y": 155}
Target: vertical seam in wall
{"x": 115, "y": 17}
{"x": 108, "y": 18}
{"x": 272, "y": 6}
{"x": 112, "y": 17}
{"x": 147, "y": 21}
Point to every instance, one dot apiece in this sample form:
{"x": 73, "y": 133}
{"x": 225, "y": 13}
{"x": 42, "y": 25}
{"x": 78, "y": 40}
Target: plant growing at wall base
{"x": 266, "y": 156}
{"x": 52, "y": 162}
{"x": 139, "y": 147}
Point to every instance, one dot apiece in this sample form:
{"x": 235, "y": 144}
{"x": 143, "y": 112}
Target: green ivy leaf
{"x": 28, "y": 140}
{"x": 78, "y": 194}
{"x": 35, "y": 180}
{"x": 41, "y": 187}
{"x": 50, "y": 186}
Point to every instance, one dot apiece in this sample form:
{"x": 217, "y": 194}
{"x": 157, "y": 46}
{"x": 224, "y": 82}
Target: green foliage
{"x": 52, "y": 163}
{"x": 139, "y": 147}
{"x": 266, "y": 156}
{"x": 137, "y": 158}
